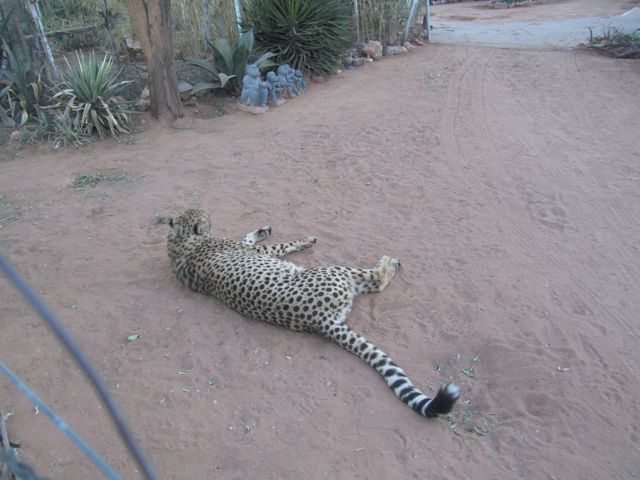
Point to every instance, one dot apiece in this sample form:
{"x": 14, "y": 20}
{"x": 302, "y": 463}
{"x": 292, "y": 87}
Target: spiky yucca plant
{"x": 310, "y": 35}
{"x": 89, "y": 97}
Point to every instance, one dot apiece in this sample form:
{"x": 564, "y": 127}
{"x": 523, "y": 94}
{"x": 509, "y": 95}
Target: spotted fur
{"x": 254, "y": 281}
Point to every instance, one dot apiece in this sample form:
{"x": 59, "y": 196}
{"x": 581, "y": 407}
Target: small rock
{"x": 144, "y": 103}
{"x": 15, "y": 137}
{"x": 131, "y": 47}
{"x": 373, "y": 49}
{"x": 418, "y": 42}
{"x": 249, "y": 109}
{"x": 395, "y": 50}
{"x": 184, "y": 88}
{"x": 359, "y": 61}
{"x": 408, "y": 45}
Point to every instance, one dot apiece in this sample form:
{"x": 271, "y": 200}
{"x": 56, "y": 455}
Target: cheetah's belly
{"x": 274, "y": 291}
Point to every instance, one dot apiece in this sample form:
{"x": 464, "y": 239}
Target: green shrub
{"x": 229, "y": 64}
{"x": 88, "y": 101}
{"x": 309, "y": 35}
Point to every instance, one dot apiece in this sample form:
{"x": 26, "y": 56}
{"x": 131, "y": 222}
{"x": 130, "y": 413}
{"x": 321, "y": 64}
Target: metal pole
{"x": 83, "y": 361}
{"x": 357, "y": 15}
{"x": 236, "y": 3}
{"x": 414, "y": 5}
{"x": 104, "y": 467}
{"x": 428, "y": 22}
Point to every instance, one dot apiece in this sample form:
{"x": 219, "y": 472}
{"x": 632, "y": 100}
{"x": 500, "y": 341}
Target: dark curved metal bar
{"x": 73, "y": 348}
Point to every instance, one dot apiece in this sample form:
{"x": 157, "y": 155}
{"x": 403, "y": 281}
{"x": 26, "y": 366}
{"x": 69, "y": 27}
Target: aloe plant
{"x": 89, "y": 97}
{"x": 21, "y": 91}
{"x": 310, "y": 35}
{"x": 229, "y": 63}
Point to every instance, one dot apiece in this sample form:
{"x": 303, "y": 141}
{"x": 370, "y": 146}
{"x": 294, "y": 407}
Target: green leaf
{"x": 246, "y": 41}
{"x": 203, "y": 86}
{"x": 196, "y": 62}
{"x": 240, "y": 60}
{"x": 6, "y": 119}
{"x": 223, "y": 56}
{"x": 224, "y": 79}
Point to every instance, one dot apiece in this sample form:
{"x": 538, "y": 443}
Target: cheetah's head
{"x": 191, "y": 222}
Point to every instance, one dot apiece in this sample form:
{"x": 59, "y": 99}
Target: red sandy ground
{"x": 507, "y": 182}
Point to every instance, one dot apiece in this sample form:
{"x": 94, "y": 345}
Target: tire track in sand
{"x": 479, "y": 138}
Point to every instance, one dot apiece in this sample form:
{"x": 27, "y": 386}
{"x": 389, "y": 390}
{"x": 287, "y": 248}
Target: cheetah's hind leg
{"x": 375, "y": 279}
{"x": 252, "y": 238}
{"x": 387, "y": 268}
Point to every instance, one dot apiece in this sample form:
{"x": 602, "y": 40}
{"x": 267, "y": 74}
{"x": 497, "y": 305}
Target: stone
{"x": 254, "y": 90}
{"x": 359, "y": 61}
{"x": 285, "y": 76}
{"x": 373, "y": 49}
{"x": 15, "y": 137}
{"x": 144, "y": 103}
{"x": 184, "y": 89}
{"x": 275, "y": 89}
{"x": 131, "y": 47}
{"x": 395, "y": 50}
{"x": 299, "y": 82}
{"x": 252, "y": 109}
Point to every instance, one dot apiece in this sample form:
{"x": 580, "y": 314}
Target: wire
{"x": 61, "y": 424}
{"x": 85, "y": 364}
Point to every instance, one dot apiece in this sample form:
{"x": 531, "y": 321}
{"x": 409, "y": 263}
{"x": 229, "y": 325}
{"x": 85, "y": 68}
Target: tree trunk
{"x": 151, "y": 21}
{"x": 17, "y": 39}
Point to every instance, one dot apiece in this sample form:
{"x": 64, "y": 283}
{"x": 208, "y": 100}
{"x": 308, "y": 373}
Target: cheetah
{"x": 253, "y": 280}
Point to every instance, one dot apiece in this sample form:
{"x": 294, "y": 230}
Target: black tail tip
{"x": 163, "y": 220}
{"x": 444, "y": 400}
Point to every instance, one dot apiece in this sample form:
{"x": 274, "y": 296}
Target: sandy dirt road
{"x": 507, "y": 182}
{"x": 556, "y": 24}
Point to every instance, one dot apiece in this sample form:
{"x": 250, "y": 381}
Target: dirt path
{"x": 505, "y": 180}
{"x": 557, "y": 24}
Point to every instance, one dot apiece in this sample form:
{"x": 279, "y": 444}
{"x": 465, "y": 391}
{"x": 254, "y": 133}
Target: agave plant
{"x": 89, "y": 97}
{"x": 229, "y": 64}
{"x": 310, "y": 35}
{"x": 21, "y": 91}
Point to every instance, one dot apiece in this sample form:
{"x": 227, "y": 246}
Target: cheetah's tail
{"x": 395, "y": 377}
{"x": 163, "y": 220}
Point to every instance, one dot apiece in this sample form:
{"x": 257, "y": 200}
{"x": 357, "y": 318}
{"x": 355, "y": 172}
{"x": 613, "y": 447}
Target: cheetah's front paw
{"x": 310, "y": 241}
{"x": 250, "y": 239}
